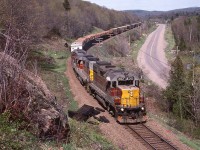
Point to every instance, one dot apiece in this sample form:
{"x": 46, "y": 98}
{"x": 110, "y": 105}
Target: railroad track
{"x": 149, "y": 138}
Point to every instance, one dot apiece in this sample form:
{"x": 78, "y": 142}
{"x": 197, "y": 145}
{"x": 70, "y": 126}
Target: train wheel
{"x": 115, "y": 114}
{"x": 89, "y": 90}
{"x": 81, "y": 81}
{"x": 86, "y": 85}
{"x": 117, "y": 117}
{"x": 141, "y": 117}
{"x": 108, "y": 107}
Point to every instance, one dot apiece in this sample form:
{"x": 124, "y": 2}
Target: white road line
{"x": 152, "y": 59}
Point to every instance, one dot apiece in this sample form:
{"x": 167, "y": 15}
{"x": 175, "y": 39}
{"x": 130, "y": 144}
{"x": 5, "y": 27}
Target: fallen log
{"x": 27, "y": 98}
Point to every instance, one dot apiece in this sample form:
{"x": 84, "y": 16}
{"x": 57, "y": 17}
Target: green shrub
{"x": 12, "y": 138}
{"x": 84, "y": 135}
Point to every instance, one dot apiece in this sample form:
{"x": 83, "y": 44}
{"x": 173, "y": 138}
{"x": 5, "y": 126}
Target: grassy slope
{"x": 51, "y": 67}
{"x": 13, "y": 138}
{"x": 83, "y": 135}
{"x": 53, "y": 75}
{"x": 170, "y": 43}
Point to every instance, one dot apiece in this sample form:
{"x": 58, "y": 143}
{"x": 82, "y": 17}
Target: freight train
{"x": 116, "y": 89}
{"x": 81, "y": 42}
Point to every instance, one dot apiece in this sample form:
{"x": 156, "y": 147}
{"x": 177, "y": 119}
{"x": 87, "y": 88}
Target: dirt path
{"x": 113, "y": 131}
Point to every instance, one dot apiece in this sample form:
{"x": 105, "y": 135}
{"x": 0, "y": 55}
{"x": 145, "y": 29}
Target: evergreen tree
{"x": 175, "y": 92}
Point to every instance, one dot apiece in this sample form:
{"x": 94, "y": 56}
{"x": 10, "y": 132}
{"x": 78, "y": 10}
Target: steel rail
{"x": 152, "y": 139}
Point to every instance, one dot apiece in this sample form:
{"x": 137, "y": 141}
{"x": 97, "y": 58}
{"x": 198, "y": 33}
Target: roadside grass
{"x": 168, "y": 123}
{"x": 170, "y": 43}
{"x": 136, "y": 45}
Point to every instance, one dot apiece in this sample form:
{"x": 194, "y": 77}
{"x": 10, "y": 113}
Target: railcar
{"x": 81, "y": 64}
{"x": 116, "y": 89}
{"x": 80, "y": 43}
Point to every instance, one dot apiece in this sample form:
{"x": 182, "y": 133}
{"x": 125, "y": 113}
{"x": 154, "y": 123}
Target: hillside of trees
{"x": 84, "y": 15}
{"x": 183, "y": 93}
{"x": 42, "y": 18}
{"x": 186, "y": 31}
{"x": 143, "y": 14}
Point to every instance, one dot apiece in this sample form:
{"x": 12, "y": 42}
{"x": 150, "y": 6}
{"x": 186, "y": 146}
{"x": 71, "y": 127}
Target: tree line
{"x": 65, "y": 18}
{"x": 84, "y": 15}
{"x": 182, "y": 96}
{"x": 186, "y": 31}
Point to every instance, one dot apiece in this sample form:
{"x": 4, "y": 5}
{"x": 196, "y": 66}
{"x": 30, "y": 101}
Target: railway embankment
{"x": 52, "y": 70}
{"x": 27, "y": 100}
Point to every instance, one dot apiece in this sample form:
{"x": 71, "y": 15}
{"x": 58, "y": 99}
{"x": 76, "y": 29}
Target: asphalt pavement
{"x": 151, "y": 58}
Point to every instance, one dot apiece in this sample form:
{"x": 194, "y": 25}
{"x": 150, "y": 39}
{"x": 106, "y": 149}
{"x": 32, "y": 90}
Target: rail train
{"x": 80, "y": 42}
{"x": 116, "y": 89}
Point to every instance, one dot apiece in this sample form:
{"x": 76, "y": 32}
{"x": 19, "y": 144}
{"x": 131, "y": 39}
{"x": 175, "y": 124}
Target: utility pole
{"x": 180, "y": 105}
{"x": 193, "y": 69}
{"x": 177, "y": 46}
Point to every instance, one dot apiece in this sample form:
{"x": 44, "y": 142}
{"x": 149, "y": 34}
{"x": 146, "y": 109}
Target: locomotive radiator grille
{"x": 130, "y": 98}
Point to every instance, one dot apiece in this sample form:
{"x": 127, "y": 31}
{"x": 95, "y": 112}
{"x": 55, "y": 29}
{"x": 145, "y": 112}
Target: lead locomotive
{"x": 116, "y": 89}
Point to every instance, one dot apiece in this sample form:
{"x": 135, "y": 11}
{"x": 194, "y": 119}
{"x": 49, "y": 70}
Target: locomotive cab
{"x": 125, "y": 93}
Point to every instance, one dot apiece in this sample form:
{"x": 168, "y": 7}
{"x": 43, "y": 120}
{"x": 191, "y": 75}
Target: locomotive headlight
{"x": 142, "y": 108}
{"x": 122, "y": 109}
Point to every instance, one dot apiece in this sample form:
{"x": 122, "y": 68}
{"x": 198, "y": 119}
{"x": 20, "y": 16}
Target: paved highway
{"x": 151, "y": 58}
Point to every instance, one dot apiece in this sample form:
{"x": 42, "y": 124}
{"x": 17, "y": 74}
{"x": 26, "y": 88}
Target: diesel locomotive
{"x": 116, "y": 89}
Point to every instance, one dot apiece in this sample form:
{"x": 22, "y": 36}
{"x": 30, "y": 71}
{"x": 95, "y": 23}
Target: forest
{"x": 183, "y": 94}
{"x": 187, "y": 32}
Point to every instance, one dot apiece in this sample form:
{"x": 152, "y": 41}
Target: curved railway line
{"x": 149, "y": 138}
{"x": 141, "y": 132}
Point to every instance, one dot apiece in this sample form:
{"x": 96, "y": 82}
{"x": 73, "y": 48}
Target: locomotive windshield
{"x": 125, "y": 82}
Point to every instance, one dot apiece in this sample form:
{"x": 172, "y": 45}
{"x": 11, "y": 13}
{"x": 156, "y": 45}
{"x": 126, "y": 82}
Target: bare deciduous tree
{"x": 23, "y": 93}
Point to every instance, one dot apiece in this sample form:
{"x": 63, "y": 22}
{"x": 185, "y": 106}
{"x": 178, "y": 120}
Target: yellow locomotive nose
{"x": 130, "y": 97}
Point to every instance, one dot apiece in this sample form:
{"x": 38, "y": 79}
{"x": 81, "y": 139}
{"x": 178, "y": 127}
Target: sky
{"x": 161, "y": 5}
